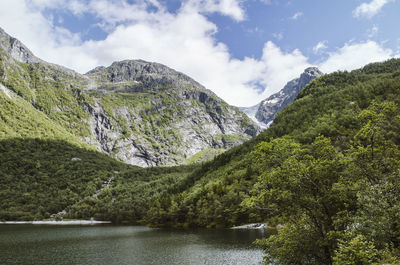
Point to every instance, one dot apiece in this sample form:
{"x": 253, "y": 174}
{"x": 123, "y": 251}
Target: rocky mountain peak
{"x": 268, "y": 108}
{"x": 16, "y": 49}
{"x": 312, "y": 71}
{"x": 308, "y": 75}
{"x": 143, "y": 73}
{"x": 96, "y": 70}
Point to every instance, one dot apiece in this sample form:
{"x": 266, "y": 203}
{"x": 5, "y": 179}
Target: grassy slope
{"x": 18, "y": 118}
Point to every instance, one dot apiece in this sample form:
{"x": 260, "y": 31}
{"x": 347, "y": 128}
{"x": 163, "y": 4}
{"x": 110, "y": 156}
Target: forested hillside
{"x": 327, "y": 171}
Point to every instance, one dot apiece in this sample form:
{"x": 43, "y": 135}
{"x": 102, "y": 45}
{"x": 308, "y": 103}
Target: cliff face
{"x": 264, "y": 112}
{"x": 139, "y": 112}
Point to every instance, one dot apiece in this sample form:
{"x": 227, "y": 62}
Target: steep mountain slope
{"x": 19, "y": 119}
{"x": 265, "y": 112}
{"x": 139, "y": 112}
{"x": 165, "y": 115}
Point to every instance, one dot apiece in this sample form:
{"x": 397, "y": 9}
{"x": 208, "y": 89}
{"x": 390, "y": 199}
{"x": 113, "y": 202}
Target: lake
{"x": 107, "y": 244}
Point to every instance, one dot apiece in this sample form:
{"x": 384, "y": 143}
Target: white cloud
{"x": 321, "y": 46}
{"x": 373, "y": 31}
{"x": 255, "y": 30}
{"x": 278, "y": 67}
{"x": 42, "y": 4}
{"x": 353, "y": 56}
{"x": 278, "y": 36}
{"x": 297, "y": 15}
{"x": 370, "y": 9}
{"x": 230, "y": 8}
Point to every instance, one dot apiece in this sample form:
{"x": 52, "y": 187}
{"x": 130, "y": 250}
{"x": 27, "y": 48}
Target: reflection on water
{"x": 31, "y": 244}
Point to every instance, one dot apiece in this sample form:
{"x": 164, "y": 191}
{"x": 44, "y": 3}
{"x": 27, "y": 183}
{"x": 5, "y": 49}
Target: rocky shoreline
{"x": 251, "y": 226}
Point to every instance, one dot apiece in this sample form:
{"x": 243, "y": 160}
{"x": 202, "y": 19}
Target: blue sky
{"x": 242, "y": 50}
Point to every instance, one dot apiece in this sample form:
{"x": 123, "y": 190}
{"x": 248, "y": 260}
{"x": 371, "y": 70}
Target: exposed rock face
{"x": 16, "y": 49}
{"x": 20, "y": 53}
{"x": 170, "y": 116}
{"x": 143, "y": 113}
{"x": 269, "y": 107}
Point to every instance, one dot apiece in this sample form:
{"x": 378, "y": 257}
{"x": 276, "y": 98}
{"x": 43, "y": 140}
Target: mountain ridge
{"x": 139, "y": 112}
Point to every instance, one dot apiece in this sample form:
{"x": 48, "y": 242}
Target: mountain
{"x": 265, "y": 112}
{"x": 139, "y": 112}
{"x": 168, "y": 116}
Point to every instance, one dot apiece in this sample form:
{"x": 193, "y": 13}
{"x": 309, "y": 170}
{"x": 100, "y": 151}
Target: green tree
{"x": 301, "y": 192}
{"x": 356, "y": 250}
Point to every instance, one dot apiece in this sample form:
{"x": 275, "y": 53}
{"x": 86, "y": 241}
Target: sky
{"x": 243, "y": 50}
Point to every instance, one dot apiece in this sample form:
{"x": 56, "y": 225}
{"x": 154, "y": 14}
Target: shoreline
{"x": 74, "y": 222}
{"x": 251, "y": 226}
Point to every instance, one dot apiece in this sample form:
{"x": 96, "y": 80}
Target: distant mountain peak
{"x": 269, "y": 107}
{"x": 314, "y": 71}
{"x": 274, "y": 103}
{"x": 96, "y": 69}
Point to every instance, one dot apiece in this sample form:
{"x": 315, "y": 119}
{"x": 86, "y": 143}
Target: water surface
{"x": 106, "y": 244}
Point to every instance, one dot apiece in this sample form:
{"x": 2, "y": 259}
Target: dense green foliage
{"x": 326, "y": 174}
{"x": 40, "y": 177}
{"x": 333, "y": 180}
{"x": 131, "y": 194}
{"x": 43, "y": 177}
